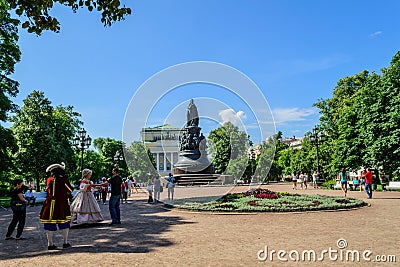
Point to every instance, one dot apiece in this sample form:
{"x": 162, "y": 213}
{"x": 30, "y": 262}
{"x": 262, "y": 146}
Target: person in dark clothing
{"x": 104, "y": 190}
{"x": 18, "y": 206}
{"x": 115, "y": 197}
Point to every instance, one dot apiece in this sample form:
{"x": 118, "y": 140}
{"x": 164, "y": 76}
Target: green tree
{"x": 43, "y": 135}
{"x": 380, "y": 119}
{"x": 284, "y": 159}
{"x": 140, "y": 162}
{"x": 227, "y": 143}
{"x": 108, "y": 147}
{"x": 388, "y": 143}
{"x": 239, "y": 168}
{"x": 339, "y": 119}
{"x": 38, "y": 18}
{"x": 95, "y": 162}
{"x": 9, "y": 56}
{"x": 362, "y": 121}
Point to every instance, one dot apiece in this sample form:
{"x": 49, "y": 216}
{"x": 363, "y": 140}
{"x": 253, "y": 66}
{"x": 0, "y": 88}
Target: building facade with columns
{"x": 163, "y": 142}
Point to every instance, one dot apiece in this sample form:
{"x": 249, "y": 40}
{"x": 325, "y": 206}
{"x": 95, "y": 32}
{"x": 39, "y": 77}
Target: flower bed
{"x": 261, "y": 200}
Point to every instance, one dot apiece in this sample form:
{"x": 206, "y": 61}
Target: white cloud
{"x": 375, "y": 34}
{"x": 282, "y": 115}
{"x": 230, "y": 115}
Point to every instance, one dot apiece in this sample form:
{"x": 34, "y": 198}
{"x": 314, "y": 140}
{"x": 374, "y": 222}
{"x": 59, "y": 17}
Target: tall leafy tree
{"x": 9, "y": 56}
{"x": 228, "y": 143}
{"x": 140, "y": 162}
{"x": 382, "y": 130}
{"x": 95, "y": 162}
{"x": 43, "y": 135}
{"x": 108, "y": 147}
{"x": 362, "y": 121}
{"x": 339, "y": 118}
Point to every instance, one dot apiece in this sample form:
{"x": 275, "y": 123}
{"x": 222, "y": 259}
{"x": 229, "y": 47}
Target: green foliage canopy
{"x": 38, "y": 18}
{"x": 43, "y": 134}
{"x": 228, "y": 143}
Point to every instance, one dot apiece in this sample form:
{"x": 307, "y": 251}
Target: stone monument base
{"x": 196, "y": 179}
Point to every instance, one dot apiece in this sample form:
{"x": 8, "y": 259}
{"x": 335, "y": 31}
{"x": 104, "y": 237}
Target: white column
{"x": 165, "y": 161}
{"x": 158, "y": 161}
{"x": 172, "y": 161}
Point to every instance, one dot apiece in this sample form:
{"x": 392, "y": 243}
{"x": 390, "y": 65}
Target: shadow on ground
{"x": 140, "y": 232}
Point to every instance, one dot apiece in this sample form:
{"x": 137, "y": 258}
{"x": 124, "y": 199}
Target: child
{"x": 150, "y": 190}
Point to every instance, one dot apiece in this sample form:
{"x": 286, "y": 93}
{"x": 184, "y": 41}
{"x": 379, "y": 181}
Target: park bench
{"x": 393, "y": 185}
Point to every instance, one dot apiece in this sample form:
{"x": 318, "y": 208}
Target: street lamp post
{"x": 253, "y": 157}
{"x": 317, "y": 138}
{"x": 82, "y": 142}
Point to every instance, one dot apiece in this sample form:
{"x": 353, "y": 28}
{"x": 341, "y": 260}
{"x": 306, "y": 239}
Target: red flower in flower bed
{"x": 253, "y": 203}
{"x": 261, "y": 193}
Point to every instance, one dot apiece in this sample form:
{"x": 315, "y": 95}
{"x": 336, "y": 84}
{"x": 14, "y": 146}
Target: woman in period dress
{"x": 85, "y": 209}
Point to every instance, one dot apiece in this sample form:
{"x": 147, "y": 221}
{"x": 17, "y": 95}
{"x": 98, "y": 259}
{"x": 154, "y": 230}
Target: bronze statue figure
{"x": 192, "y": 115}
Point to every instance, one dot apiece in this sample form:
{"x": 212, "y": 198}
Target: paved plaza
{"x": 151, "y": 235}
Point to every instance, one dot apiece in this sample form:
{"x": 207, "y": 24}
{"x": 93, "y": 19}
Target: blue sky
{"x": 294, "y": 51}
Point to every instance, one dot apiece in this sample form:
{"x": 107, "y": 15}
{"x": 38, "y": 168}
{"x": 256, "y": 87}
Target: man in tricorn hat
{"x": 56, "y": 209}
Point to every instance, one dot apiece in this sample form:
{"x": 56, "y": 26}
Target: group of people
{"x": 156, "y": 187}
{"x": 302, "y": 180}
{"x": 365, "y": 180}
{"x": 57, "y": 211}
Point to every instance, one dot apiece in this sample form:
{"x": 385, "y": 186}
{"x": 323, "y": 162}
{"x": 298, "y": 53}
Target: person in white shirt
{"x": 170, "y": 186}
{"x": 305, "y": 180}
{"x": 156, "y": 189}
{"x": 314, "y": 178}
{"x": 130, "y": 183}
{"x": 30, "y": 197}
{"x": 301, "y": 176}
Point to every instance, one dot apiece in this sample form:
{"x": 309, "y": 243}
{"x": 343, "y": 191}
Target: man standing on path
{"x": 368, "y": 183}
{"x": 115, "y": 197}
{"x": 56, "y": 210}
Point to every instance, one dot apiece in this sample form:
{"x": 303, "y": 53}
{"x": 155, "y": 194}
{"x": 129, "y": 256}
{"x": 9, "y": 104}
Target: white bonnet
{"x": 86, "y": 172}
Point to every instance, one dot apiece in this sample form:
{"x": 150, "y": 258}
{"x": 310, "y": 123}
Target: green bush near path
{"x": 5, "y": 201}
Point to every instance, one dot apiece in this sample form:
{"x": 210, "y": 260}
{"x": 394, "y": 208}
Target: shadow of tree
{"x": 140, "y": 232}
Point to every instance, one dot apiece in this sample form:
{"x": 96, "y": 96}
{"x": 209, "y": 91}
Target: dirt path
{"x": 151, "y": 235}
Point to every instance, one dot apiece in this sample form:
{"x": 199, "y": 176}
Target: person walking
{"x": 150, "y": 191}
{"x": 30, "y": 197}
{"x": 342, "y": 176}
{"x": 18, "y": 205}
{"x": 305, "y": 180}
{"x": 135, "y": 184}
{"x": 362, "y": 180}
{"x": 56, "y": 211}
{"x": 170, "y": 186}
{"x": 115, "y": 181}
{"x": 124, "y": 191}
{"x": 130, "y": 183}
{"x": 314, "y": 179}
{"x": 368, "y": 183}
{"x": 104, "y": 190}
{"x": 156, "y": 189}
{"x": 294, "y": 180}
{"x": 300, "y": 180}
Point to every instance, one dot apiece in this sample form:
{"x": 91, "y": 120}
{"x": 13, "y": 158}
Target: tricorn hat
{"x": 54, "y": 166}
